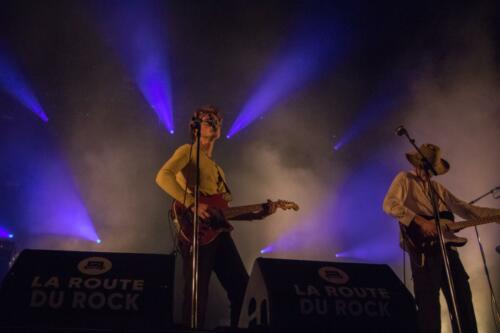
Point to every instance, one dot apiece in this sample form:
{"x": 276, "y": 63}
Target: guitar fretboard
{"x": 231, "y": 212}
{"x": 469, "y": 223}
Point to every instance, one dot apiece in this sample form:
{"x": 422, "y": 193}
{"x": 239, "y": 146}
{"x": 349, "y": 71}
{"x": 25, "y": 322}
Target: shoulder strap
{"x": 440, "y": 197}
{"x": 221, "y": 179}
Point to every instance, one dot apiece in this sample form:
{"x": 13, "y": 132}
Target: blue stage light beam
{"x": 315, "y": 48}
{"x": 374, "y": 250}
{"x": 13, "y": 82}
{"x": 350, "y": 217}
{"x": 297, "y": 239}
{"x": 368, "y": 234}
{"x": 5, "y": 234}
{"x": 53, "y": 203}
{"x": 267, "y": 249}
{"x": 380, "y": 105}
{"x": 136, "y": 31}
{"x": 47, "y": 199}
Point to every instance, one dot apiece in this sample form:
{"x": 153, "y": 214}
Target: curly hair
{"x": 199, "y": 112}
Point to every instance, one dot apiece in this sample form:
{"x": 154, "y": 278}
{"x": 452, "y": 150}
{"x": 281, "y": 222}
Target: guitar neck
{"x": 232, "y": 212}
{"x": 470, "y": 223}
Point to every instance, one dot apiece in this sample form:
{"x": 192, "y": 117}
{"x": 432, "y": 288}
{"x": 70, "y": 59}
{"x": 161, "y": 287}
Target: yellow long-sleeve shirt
{"x": 181, "y": 169}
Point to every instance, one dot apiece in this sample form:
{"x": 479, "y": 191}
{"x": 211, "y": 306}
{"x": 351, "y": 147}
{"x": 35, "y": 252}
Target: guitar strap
{"x": 433, "y": 189}
{"x": 440, "y": 197}
{"x": 419, "y": 258}
{"x": 221, "y": 180}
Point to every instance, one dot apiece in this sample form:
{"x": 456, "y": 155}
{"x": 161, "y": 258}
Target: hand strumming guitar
{"x": 203, "y": 210}
{"x": 428, "y": 227}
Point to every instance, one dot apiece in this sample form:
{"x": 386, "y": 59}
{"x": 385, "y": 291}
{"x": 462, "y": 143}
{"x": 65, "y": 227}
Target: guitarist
{"x": 407, "y": 200}
{"x": 177, "y": 177}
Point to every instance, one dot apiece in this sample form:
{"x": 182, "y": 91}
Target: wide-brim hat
{"x": 433, "y": 154}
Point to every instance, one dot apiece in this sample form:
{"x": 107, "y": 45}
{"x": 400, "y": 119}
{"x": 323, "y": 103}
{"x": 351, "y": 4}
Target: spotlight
{"x": 11, "y": 236}
{"x": 98, "y": 241}
{"x": 171, "y": 131}
{"x": 317, "y": 44}
{"x": 15, "y": 84}
{"x": 228, "y": 136}
{"x": 267, "y": 249}
{"x": 143, "y": 52}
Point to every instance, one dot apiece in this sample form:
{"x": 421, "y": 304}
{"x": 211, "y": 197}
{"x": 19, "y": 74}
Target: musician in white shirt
{"x": 408, "y": 201}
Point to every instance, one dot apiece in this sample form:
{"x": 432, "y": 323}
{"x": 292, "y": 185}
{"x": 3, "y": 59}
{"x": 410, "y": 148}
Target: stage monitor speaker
{"x": 313, "y": 296}
{"x": 87, "y": 290}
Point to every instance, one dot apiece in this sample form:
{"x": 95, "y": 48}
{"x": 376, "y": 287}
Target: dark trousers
{"x": 428, "y": 280}
{"x": 222, "y": 257}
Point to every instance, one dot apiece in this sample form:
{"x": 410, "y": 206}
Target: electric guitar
{"x": 416, "y": 240}
{"x": 220, "y": 213}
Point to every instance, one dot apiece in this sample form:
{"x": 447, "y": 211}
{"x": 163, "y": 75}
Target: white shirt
{"x": 408, "y": 196}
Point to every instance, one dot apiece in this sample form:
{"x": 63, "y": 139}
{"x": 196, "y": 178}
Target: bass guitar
{"x": 417, "y": 241}
{"x": 220, "y": 213}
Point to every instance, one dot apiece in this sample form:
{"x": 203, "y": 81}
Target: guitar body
{"x": 209, "y": 228}
{"x": 416, "y": 241}
{"x": 220, "y": 213}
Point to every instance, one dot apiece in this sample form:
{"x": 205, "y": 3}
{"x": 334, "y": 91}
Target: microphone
{"x": 400, "y": 131}
{"x": 195, "y": 123}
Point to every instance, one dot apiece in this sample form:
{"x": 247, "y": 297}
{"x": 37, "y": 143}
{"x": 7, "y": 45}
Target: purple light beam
{"x": 137, "y": 33}
{"x": 318, "y": 45}
{"x": 13, "y": 82}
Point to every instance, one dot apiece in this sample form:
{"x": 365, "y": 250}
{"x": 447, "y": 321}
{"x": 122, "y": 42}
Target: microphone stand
{"x": 481, "y": 250}
{"x": 195, "y": 244}
{"x": 454, "y": 315}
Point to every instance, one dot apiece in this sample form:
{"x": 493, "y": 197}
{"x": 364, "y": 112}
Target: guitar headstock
{"x": 285, "y": 205}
